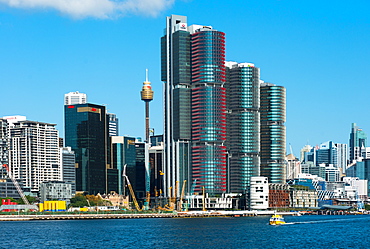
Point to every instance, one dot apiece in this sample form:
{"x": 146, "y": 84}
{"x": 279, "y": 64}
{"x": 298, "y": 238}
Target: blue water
{"x": 241, "y": 232}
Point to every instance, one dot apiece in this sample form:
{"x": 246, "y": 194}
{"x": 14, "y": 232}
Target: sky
{"x": 318, "y": 50}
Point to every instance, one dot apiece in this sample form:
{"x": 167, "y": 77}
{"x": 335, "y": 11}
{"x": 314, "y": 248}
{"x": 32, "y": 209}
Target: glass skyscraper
{"x": 86, "y": 133}
{"x": 243, "y": 124}
{"x": 272, "y": 114}
{"x": 193, "y": 73}
{"x": 357, "y": 140}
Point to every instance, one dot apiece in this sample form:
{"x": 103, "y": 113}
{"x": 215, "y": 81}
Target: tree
{"x": 30, "y": 199}
{"x": 79, "y": 201}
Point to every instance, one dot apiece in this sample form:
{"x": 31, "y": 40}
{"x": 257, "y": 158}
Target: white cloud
{"x": 94, "y": 8}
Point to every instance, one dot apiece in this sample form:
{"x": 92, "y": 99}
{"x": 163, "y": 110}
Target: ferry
{"x": 277, "y": 219}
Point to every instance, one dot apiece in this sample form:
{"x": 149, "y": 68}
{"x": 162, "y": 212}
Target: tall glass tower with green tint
{"x": 273, "y": 116}
{"x": 86, "y": 133}
{"x": 357, "y": 140}
{"x": 243, "y": 124}
{"x": 193, "y": 73}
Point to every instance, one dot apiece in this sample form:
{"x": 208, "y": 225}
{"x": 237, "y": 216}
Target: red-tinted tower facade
{"x": 208, "y": 109}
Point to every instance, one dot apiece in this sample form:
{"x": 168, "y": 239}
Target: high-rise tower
{"x": 147, "y": 96}
{"x": 85, "y": 127}
{"x": 357, "y": 142}
{"x": 243, "y": 124}
{"x": 193, "y": 73}
{"x": 273, "y": 114}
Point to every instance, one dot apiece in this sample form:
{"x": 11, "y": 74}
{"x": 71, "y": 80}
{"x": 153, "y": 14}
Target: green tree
{"x": 30, "y": 199}
{"x": 79, "y": 201}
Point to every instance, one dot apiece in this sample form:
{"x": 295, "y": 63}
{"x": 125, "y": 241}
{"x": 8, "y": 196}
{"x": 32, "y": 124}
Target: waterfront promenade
{"x": 102, "y": 215}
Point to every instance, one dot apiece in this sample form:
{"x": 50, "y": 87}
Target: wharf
{"x": 81, "y": 216}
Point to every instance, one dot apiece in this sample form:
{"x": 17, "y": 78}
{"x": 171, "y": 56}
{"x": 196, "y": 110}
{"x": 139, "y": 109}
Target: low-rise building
{"x": 259, "y": 193}
{"x": 303, "y": 197}
{"x": 279, "y": 195}
{"x": 55, "y": 190}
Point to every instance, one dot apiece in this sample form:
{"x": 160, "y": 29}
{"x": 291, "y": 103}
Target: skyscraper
{"x": 243, "y": 124}
{"x": 193, "y": 73}
{"x": 86, "y": 133}
{"x": 357, "y": 142}
{"x": 273, "y": 114}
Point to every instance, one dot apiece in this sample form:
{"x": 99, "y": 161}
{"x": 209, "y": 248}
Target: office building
{"x": 327, "y": 154}
{"x": 193, "y": 73}
{"x": 68, "y": 167}
{"x": 86, "y": 133}
{"x": 74, "y": 98}
{"x": 34, "y": 155}
{"x": 112, "y": 122}
{"x": 357, "y": 140}
{"x": 342, "y": 156}
{"x": 272, "y": 115}
{"x": 243, "y": 124}
{"x": 156, "y": 169}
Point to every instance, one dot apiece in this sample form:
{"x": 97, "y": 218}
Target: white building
{"x": 342, "y": 156}
{"x": 74, "y": 98}
{"x": 332, "y": 173}
{"x": 34, "y": 155}
{"x": 360, "y": 186}
{"x": 293, "y": 167}
{"x": 259, "y": 193}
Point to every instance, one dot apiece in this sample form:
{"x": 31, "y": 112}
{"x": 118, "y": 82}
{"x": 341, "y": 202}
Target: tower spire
{"x": 147, "y": 96}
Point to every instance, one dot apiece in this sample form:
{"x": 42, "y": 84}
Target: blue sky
{"x": 318, "y": 50}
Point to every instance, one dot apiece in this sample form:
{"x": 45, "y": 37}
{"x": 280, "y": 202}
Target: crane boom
{"x": 182, "y": 195}
{"x": 16, "y": 184}
{"x": 131, "y": 190}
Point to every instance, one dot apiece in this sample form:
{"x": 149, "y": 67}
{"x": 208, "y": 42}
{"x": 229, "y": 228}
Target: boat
{"x": 277, "y": 219}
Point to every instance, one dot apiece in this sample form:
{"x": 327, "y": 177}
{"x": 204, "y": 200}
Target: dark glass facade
{"x": 86, "y": 133}
{"x": 243, "y": 125}
{"x": 273, "y": 115}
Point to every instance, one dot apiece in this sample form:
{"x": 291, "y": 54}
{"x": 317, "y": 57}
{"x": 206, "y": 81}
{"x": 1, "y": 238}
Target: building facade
{"x": 259, "y": 193}
{"x": 193, "y": 73}
{"x": 273, "y": 133}
{"x": 74, "y": 98}
{"x": 34, "y": 155}
{"x": 86, "y": 133}
{"x": 243, "y": 124}
{"x": 68, "y": 167}
{"x": 357, "y": 140}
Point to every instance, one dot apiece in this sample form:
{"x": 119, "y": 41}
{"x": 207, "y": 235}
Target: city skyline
{"x": 312, "y": 50}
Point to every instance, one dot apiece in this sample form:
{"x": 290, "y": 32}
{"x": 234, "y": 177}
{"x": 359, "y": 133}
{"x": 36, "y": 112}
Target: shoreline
{"x": 191, "y": 214}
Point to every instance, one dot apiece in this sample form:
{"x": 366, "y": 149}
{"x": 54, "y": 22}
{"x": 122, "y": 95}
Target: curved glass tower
{"x": 273, "y": 114}
{"x": 243, "y": 124}
{"x": 208, "y": 109}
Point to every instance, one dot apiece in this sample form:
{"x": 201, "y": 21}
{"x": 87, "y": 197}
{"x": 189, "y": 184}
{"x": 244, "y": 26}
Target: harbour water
{"x": 311, "y": 231}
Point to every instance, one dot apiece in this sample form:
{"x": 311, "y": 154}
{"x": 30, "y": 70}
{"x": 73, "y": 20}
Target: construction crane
{"x": 131, "y": 190}
{"x": 181, "y": 196}
{"x": 16, "y": 184}
{"x": 204, "y": 199}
